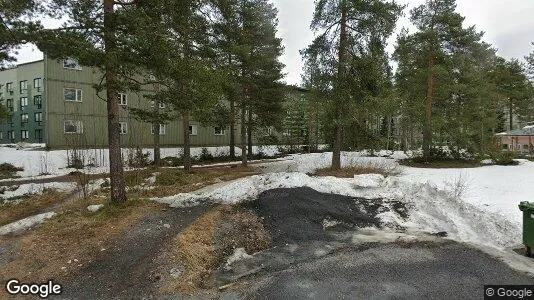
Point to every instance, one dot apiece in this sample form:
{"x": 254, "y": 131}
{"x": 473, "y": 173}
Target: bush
{"x": 5, "y": 167}
{"x": 172, "y": 161}
{"x": 75, "y": 160}
{"x": 443, "y": 154}
{"x": 138, "y": 159}
{"x": 205, "y": 155}
{"x": 505, "y": 158}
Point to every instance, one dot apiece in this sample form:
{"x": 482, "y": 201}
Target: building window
{"x": 24, "y": 118}
{"x": 23, "y": 102}
{"x": 123, "y": 127}
{"x": 192, "y": 129}
{"x": 39, "y": 135}
{"x": 37, "y": 84}
{"x": 218, "y": 130}
{"x": 161, "y": 129}
{"x": 1, "y": 135}
{"x": 505, "y": 146}
{"x": 24, "y": 86}
{"x": 24, "y": 134}
{"x": 38, "y": 117}
{"x": 71, "y": 63}
{"x": 123, "y": 99}
{"x": 9, "y": 88}
{"x": 11, "y": 135}
{"x": 71, "y": 126}
{"x": 9, "y": 104}
{"x": 38, "y": 101}
{"x": 73, "y": 95}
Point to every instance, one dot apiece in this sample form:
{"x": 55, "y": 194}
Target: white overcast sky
{"x": 508, "y": 26}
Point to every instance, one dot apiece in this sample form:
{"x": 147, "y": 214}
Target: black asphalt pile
{"x": 303, "y": 214}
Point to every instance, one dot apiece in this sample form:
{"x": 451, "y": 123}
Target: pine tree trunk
{"x": 244, "y": 160}
{"x": 116, "y": 169}
{"x": 338, "y": 134}
{"x": 157, "y": 151}
{"x": 511, "y": 116}
{"x": 187, "y": 143}
{"x": 232, "y": 117}
{"x": 249, "y": 134}
{"x": 427, "y": 131}
{"x": 232, "y": 128}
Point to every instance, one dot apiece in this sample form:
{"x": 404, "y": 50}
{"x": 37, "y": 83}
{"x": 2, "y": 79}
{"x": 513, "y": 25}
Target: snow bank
{"x": 497, "y": 189}
{"x": 430, "y": 210}
{"x": 25, "y": 224}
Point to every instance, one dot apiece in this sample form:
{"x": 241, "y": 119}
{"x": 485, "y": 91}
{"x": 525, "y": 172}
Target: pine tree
{"x": 14, "y": 27}
{"x": 438, "y": 66}
{"x": 349, "y": 35}
{"x": 249, "y": 51}
{"x": 100, "y": 35}
{"x": 530, "y": 64}
{"x": 514, "y": 89}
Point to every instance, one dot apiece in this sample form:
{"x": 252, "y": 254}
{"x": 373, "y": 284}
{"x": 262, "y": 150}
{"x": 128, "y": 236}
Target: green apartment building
{"x": 53, "y": 102}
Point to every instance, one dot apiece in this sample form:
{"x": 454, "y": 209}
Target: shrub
{"x": 138, "y": 158}
{"x": 5, "y": 167}
{"x": 205, "y": 155}
{"x": 505, "y": 158}
{"x": 75, "y": 159}
{"x": 172, "y": 161}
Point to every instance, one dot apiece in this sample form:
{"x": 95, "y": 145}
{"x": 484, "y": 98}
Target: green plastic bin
{"x": 528, "y": 225}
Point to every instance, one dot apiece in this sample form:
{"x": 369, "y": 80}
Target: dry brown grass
{"x": 10, "y": 212}
{"x": 208, "y": 241}
{"x": 174, "y": 181}
{"x": 369, "y": 168}
{"x": 77, "y": 234}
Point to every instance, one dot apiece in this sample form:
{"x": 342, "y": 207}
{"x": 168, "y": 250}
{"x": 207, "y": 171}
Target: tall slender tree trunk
{"x": 231, "y": 99}
{"x": 427, "y": 131}
{"x": 243, "y": 132}
{"x": 157, "y": 150}
{"x": 250, "y": 128}
{"x": 116, "y": 169}
{"x": 511, "y": 114}
{"x": 338, "y": 133}
{"x": 232, "y": 128}
{"x": 187, "y": 142}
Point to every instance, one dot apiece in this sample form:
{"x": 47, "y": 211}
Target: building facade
{"x": 54, "y": 102}
{"x": 519, "y": 140}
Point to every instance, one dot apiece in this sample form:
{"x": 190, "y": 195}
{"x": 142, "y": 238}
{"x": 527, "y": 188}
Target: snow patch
{"x": 239, "y": 254}
{"x": 15, "y": 191}
{"x": 95, "y": 208}
{"x": 25, "y": 224}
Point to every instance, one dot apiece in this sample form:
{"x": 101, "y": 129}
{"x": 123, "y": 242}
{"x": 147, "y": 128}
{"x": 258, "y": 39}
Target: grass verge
{"x": 29, "y": 206}
{"x": 66, "y": 243}
{"x": 208, "y": 242}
